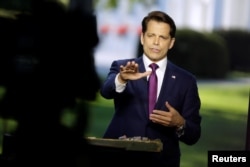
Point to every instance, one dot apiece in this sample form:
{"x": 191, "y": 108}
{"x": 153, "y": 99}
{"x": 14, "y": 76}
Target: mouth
{"x": 155, "y": 50}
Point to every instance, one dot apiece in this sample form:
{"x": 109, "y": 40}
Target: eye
{"x": 150, "y": 35}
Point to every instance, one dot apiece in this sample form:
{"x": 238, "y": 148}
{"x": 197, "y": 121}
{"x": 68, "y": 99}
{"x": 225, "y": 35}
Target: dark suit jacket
{"x": 131, "y": 116}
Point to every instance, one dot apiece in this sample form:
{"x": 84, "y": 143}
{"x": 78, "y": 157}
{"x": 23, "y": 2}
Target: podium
{"x": 130, "y": 151}
{"x": 100, "y": 151}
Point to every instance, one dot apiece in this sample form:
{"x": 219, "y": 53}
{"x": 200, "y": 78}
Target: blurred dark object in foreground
{"x": 46, "y": 66}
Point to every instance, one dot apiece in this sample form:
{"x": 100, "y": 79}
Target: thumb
{"x": 169, "y": 107}
{"x": 146, "y": 73}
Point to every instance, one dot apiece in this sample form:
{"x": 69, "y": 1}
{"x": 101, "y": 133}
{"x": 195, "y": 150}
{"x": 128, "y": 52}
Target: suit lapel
{"x": 167, "y": 85}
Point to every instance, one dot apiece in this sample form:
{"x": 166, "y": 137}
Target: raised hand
{"x": 131, "y": 72}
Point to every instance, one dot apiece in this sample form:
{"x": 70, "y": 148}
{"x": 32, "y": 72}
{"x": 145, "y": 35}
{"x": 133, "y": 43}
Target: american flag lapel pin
{"x": 173, "y": 76}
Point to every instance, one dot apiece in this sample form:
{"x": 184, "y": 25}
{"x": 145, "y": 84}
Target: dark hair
{"x": 160, "y": 17}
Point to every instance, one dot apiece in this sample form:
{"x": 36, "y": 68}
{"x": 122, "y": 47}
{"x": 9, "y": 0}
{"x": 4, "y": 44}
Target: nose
{"x": 156, "y": 40}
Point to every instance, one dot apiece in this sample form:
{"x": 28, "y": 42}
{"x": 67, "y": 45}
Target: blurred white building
{"x": 209, "y": 14}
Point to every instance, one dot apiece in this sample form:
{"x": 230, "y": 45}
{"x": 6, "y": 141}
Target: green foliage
{"x": 100, "y": 114}
{"x": 224, "y": 112}
{"x": 238, "y": 44}
{"x": 111, "y": 4}
{"x": 203, "y": 54}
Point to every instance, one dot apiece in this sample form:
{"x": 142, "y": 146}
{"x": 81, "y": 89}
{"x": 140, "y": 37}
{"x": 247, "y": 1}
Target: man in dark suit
{"x": 175, "y": 116}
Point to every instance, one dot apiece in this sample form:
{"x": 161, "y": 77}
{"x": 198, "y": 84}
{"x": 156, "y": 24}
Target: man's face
{"x": 156, "y": 40}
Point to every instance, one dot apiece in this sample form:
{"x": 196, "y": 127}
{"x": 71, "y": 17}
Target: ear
{"x": 172, "y": 43}
{"x": 142, "y": 38}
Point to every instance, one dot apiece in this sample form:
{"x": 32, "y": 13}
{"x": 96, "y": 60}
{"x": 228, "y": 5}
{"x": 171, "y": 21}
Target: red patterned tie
{"x": 152, "y": 96}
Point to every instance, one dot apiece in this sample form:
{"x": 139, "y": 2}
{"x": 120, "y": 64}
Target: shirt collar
{"x": 162, "y": 63}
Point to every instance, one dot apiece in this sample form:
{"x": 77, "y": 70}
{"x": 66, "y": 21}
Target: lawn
{"x": 224, "y": 112}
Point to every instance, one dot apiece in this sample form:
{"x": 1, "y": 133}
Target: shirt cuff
{"x": 119, "y": 87}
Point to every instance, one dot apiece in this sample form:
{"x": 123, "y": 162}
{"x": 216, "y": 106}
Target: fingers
{"x": 160, "y": 117}
{"x": 130, "y": 71}
{"x": 130, "y": 67}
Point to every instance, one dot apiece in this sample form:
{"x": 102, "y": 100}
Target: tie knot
{"x": 153, "y": 66}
